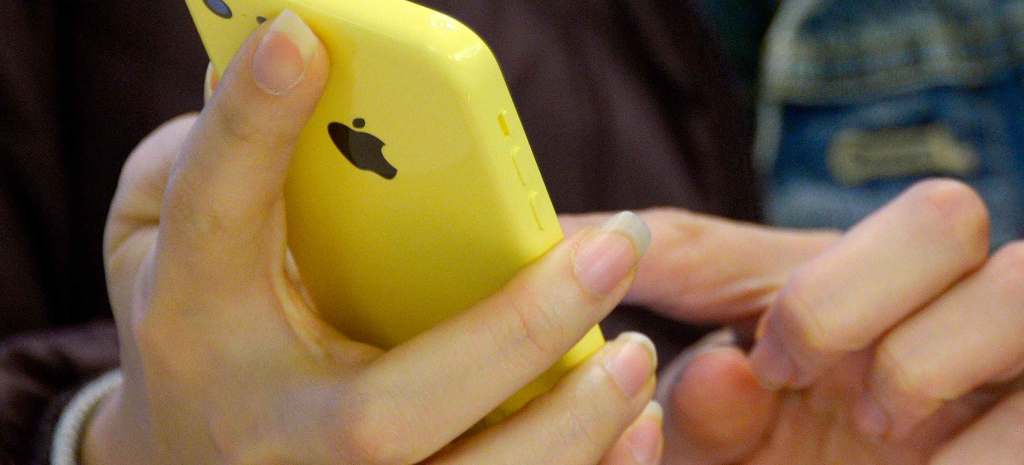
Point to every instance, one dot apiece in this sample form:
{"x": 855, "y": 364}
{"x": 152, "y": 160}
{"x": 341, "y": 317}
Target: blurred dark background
{"x": 628, "y": 105}
{"x": 82, "y": 83}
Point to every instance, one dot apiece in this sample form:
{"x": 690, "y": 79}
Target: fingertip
{"x": 284, "y": 54}
{"x": 771, "y": 364}
{"x": 633, "y": 227}
{"x": 282, "y": 63}
{"x": 607, "y": 257}
{"x": 643, "y": 442}
{"x": 631, "y": 362}
{"x": 644, "y": 341}
{"x": 654, "y": 411}
{"x": 782, "y": 356}
{"x": 645, "y": 438}
{"x": 718, "y": 402}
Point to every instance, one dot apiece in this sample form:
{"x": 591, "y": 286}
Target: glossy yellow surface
{"x": 387, "y": 259}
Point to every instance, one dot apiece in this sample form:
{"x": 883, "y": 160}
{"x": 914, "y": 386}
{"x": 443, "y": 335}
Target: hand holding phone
{"x": 224, "y": 361}
{"x": 413, "y": 193}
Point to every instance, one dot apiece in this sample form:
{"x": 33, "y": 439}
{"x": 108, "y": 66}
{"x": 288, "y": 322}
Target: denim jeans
{"x": 862, "y": 98}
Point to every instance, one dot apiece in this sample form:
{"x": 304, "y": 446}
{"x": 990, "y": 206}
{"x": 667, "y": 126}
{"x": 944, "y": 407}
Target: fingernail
{"x": 870, "y": 417}
{"x": 632, "y": 362}
{"x": 762, "y": 325}
{"x": 284, "y": 54}
{"x": 209, "y": 83}
{"x": 771, "y": 364}
{"x": 611, "y": 253}
{"x": 644, "y": 437}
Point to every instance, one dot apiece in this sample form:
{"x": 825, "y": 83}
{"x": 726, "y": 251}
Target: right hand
{"x": 902, "y": 337}
{"x": 225, "y": 361}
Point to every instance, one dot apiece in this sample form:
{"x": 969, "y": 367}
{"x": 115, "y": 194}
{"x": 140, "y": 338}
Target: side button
{"x": 503, "y": 123}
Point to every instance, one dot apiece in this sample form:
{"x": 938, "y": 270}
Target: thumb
{"x": 707, "y": 269}
{"x": 716, "y": 412}
{"x": 228, "y": 181}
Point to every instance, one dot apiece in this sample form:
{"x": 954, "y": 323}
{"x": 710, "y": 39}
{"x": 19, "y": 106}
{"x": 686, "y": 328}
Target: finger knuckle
{"x": 686, "y": 230}
{"x": 913, "y": 384}
{"x": 211, "y": 220}
{"x": 579, "y": 429}
{"x": 804, "y": 320}
{"x": 202, "y": 222}
{"x": 535, "y": 322}
{"x": 240, "y": 127}
{"x": 367, "y": 434}
{"x": 958, "y": 213}
{"x": 679, "y": 222}
{"x": 689, "y": 239}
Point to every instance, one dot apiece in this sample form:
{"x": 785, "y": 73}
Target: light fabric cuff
{"x": 67, "y": 437}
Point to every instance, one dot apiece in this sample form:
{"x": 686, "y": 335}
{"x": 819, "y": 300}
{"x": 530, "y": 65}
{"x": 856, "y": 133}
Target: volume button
{"x": 503, "y": 123}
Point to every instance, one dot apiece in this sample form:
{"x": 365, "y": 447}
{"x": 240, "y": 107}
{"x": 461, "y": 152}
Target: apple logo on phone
{"x": 362, "y": 149}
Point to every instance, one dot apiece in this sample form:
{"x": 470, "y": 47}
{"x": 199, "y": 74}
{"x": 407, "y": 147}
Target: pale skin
{"x": 907, "y": 310}
{"x": 225, "y": 361}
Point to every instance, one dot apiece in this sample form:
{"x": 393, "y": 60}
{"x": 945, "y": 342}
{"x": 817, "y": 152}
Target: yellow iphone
{"x": 413, "y": 192}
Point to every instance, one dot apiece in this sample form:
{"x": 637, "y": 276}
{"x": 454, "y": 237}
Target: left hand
{"x": 225, "y": 361}
{"x": 899, "y": 342}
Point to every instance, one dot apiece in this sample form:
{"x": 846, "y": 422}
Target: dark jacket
{"x": 627, "y": 105}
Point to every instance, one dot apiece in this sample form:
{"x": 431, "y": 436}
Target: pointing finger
{"x": 707, "y": 269}
{"x": 886, "y": 268}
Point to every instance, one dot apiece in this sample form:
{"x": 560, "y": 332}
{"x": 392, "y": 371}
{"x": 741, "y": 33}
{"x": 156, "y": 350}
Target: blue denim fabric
{"x": 833, "y": 67}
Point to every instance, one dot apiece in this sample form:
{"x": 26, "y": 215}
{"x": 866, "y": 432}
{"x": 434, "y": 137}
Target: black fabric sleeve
{"x": 39, "y": 373}
{"x": 33, "y": 201}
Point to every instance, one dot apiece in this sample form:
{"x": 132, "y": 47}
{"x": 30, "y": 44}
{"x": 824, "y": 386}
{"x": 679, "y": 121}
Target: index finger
{"x": 713, "y": 270}
{"x": 885, "y": 269}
